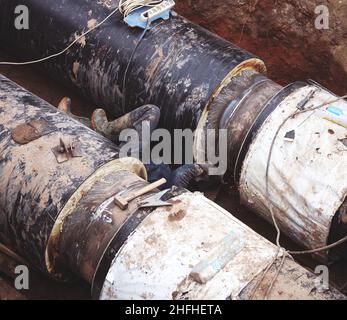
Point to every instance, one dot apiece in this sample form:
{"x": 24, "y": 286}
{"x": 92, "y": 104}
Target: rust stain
{"x": 181, "y": 291}
{"x": 177, "y": 216}
{"x": 175, "y": 202}
{"x": 151, "y": 240}
{"x": 331, "y": 131}
{"x": 28, "y": 132}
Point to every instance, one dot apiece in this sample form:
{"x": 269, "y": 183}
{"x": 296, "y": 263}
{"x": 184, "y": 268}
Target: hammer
{"x": 123, "y": 203}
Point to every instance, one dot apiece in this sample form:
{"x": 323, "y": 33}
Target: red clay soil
{"x": 283, "y": 34}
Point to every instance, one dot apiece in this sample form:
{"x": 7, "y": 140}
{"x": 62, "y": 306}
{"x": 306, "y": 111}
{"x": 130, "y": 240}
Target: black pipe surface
{"x": 177, "y": 66}
{"x": 34, "y": 186}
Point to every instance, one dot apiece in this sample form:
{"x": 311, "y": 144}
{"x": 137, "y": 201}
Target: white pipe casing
{"x": 307, "y": 172}
{"x": 197, "y": 250}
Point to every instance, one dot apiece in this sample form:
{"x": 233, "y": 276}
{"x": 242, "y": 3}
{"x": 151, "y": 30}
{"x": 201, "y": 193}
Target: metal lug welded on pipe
{"x": 178, "y": 66}
{"x": 37, "y": 190}
{"x": 62, "y": 218}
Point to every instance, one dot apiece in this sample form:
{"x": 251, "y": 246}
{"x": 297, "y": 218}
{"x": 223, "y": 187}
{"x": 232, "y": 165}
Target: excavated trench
{"x": 282, "y": 33}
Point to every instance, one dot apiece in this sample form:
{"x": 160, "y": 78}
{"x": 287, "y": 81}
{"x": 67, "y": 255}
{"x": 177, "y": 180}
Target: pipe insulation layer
{"x": 178, "y": 66}
{"x": 62, "y": 218}
{"x": 196, "y": 250}
{"x": 235, "y": 109}
{"x": 305, "y": 149}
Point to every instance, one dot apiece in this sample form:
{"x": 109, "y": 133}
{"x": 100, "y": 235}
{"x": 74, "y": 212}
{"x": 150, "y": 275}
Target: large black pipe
{"x": 40, "y": 180}
{"x": 178, "y": 65}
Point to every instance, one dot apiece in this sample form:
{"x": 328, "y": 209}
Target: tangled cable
{"x": 128, "y": 6}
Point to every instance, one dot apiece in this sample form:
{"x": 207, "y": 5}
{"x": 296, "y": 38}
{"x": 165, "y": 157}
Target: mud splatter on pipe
{"x": 37, "y": 187}
{"x": 178, "y": 66}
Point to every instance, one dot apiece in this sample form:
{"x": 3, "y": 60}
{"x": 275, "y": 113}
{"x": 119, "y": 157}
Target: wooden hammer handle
{"x": 147, "y": 189}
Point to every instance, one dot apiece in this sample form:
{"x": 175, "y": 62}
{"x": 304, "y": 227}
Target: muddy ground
{"x": 280, "y": 32}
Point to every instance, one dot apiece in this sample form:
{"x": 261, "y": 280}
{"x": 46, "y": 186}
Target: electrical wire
{"x": 125, "y": 7}
{"x": 64, "y": 50}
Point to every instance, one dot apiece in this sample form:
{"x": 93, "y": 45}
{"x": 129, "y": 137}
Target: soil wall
{"x": 283, "y": 33}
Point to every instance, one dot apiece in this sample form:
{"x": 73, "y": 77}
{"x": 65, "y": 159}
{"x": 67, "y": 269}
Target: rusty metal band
{"x": 130, "y": 164}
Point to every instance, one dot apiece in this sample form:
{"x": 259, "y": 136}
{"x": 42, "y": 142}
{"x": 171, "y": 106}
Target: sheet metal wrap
{"x": 178, "y": 66}
{"x": 306, "y": 176}
{"x": 195, "y": 250}
{"x": 34, "y": 187}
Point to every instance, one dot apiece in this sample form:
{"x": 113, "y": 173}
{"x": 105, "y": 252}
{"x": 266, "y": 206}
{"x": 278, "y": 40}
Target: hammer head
{"x": 121, "y": 202}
